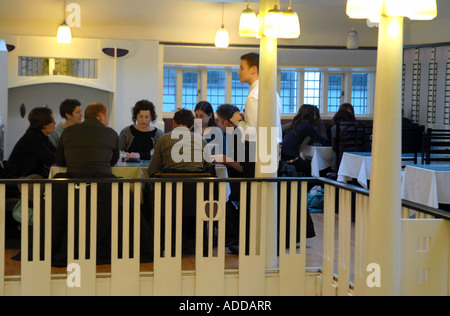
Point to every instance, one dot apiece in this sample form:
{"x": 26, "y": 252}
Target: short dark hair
{"x": 40, "y": 117}
{"x": 184, "y": 117}
{"x": 68, "y": 107}
{"x": 226, "y": 111}
{"x": 252, "y": 59}
{"x": 143, "y": 105}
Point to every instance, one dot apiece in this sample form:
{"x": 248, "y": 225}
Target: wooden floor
{"x": 314, "y": 248}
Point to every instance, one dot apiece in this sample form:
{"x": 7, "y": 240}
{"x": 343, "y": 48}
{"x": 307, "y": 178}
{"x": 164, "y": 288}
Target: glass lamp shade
{"x": 249, "y": 23}
{"x": 64, "y": 34}
{"x": 422, "y": 9}
{"x": 371, "y": 9}
{"x": 352, "y": 40}
{"x": 222, "y": 38}
{"x": 273, "y": 23}
{"x": 291, "y": 24}
{"x": 365, "y": 9}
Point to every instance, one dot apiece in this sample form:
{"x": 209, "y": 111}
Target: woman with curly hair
{"x": 139, "y": 139}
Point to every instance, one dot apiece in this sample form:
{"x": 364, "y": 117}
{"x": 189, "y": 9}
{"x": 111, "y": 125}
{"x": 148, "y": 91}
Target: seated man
{"x": 181, "y": 149}
{"x": 89, "y": 150}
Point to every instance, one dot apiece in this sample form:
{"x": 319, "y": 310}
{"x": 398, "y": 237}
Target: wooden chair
{"x": 189, "y": 198}
{"x": 436, "y": 146}
{"x": 412, "y": 141}
{"x": 350, "y": 137}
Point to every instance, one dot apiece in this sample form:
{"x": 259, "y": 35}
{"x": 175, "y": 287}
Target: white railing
{"x": 425, "y": 247}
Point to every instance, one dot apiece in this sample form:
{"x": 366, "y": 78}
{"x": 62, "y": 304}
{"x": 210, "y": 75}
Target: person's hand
{"x": 220, "y": 159}
{"x": 133, "y": 155}
{"x": 237, "y": 116}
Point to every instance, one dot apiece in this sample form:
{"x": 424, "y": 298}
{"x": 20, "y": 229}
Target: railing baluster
{"x": 329, "y": 218}
{"x": 2, "y": 240}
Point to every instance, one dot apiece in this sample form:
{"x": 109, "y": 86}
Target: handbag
{"x": 17, "y": 213}
{"x": 315, "y": 200}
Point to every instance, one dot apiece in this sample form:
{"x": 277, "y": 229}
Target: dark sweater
{"x": 88, "y": 148}
{"x": 295, "y": 137}
{"x": 33, "y": 154}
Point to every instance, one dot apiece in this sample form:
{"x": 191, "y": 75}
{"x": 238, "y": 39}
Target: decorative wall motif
{"x": 426, "y": 85}
{"x": 432, "y": 87}
{"x": 39, "y": 67}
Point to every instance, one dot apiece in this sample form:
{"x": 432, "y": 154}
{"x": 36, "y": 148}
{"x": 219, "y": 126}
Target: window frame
{"x": 346, "y": 85}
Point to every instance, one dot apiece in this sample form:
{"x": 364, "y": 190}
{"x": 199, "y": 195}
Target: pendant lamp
{"x": 291, "y": 23}
{"x": 64, "y": 35}
{"x": 273, "y": 23}
{"x": 222, "y": 36}
{"x": 249, "y": 23}
{"x": 352, "y": 40}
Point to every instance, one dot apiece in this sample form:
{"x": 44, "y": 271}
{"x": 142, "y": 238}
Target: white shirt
{"x": 251, "y": 113}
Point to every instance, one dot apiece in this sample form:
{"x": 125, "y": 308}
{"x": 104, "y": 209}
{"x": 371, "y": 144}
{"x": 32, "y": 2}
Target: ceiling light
{"x": 249, "y": 23}
{"x": 291, "y": 24}
{"x": 64, "y": 34}
{"x": 352, "y": 40}
{"x": 222, "y": 36}
{"x": 273, "y": 23}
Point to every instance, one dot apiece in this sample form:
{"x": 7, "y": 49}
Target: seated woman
{"x": 346, "y": 135}
{"x": 207, "y": 126}
{"x": 34, "y": 154}
{"x": 139, "y": 140}
{"x": 71, "y": 111}
{"x": 300, "y": 133}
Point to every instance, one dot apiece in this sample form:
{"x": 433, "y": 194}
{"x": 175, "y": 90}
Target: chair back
{"x": 351, "y": 137}
{"x": 436, "y": 146}
{"x": 412, "y": 141}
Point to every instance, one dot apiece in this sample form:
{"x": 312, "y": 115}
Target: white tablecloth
{"x": 355, "y": 166}
{"x": 321, "y": 158}
{"x": 138, "y": 170}
{"x": 427, "y": 184}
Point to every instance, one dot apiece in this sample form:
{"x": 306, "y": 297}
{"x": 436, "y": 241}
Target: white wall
{"x": 133, "y": 77}
{"x": 4, "y": 84}
{"x": 286, "y": 57}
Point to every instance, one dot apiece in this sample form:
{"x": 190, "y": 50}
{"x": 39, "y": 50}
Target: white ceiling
{"x": 323, "y": 22}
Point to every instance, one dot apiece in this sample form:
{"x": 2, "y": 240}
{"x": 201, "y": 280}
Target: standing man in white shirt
{"x": 249, "y": 73}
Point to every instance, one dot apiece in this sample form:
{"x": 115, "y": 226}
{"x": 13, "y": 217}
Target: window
{"x": 216, "y": 88}
{"x": 170, "y": 90}
{"x": 185, "y": 86}
{"x": 190, "y": 90}
{"x": 41, "y": 67}
{"x": 312, "y": 89}
{"x": 359, "y": 92}
{"x": 334, "y": 92}
{"x": 289, "y": 91}
{"x": 239, "y": 91}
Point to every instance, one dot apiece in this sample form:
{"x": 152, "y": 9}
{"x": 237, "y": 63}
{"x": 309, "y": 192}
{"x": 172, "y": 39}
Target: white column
{"x": 4, "y": 90}
{"x": 267, "y": 116}
{"x": 384, "y": 239}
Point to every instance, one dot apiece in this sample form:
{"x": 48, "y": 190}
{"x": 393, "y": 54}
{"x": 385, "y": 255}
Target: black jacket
{"x": 33, "y": 154}
{"x": 88, "y": 148}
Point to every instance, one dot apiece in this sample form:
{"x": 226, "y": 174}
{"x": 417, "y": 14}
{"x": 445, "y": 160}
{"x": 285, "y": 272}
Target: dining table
{"x": 358, "y": 165}
{"x": 139, "y": 170}
{"x": 427, "y": 184}
{"x": 321, "y": 158}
